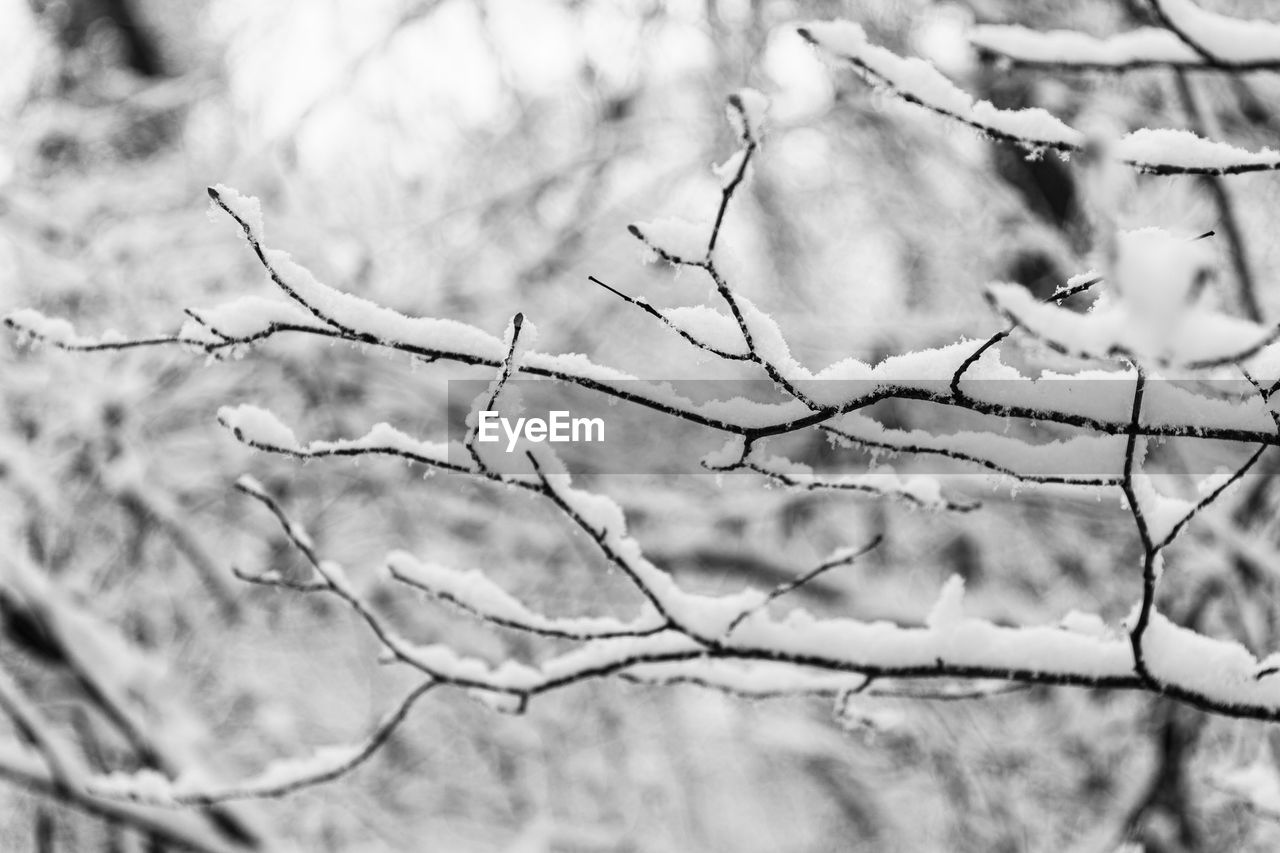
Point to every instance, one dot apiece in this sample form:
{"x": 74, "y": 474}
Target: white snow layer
{"x": 679, "y": 240}
{"x": 747, "y": 111}
{"x": 918, "y": 81}
{"x": 1068, "y": 47}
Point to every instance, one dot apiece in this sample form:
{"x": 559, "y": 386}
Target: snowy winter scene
{"x": 579, "y": 426}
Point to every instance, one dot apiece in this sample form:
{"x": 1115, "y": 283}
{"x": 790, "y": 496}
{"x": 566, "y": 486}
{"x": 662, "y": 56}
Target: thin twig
{"x": 822, "y": 568}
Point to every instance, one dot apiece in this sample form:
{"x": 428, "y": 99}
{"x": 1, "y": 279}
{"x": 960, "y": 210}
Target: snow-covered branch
{"x": 1152, "y": 323}
{"x": 1189, "y": 38}
{"x": 1156, "y": 151}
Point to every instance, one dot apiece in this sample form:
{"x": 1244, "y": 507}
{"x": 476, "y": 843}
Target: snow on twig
{"x": 1157, "y": 151}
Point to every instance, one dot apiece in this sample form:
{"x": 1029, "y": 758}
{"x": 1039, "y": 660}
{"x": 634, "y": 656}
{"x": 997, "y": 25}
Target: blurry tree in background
{"x": 466, "y": 159}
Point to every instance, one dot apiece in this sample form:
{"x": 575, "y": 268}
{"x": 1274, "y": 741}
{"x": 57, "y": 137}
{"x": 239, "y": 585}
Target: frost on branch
{"x": 58, "y": 332}
{"x": 746, "y": 110}
{"x": 1192, "y": 38}
{"x": 246, "y": 210}
{"x": 474, "y": 592}
{"x": 1230, "y": 42}
{"x": 258, "y": 427}
{"x": 918, "y": 82}
{"x": 760, "y": 641}
{"x": 242, "y": 319}
{"x": 276, "y": 778}
{"x": 710, "y": 327}
{"x": 920, "y": 490}
{"x": 676, "y": 241}
{"x": 1161, "y": 313}
{"x": 1136, "y": 48}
